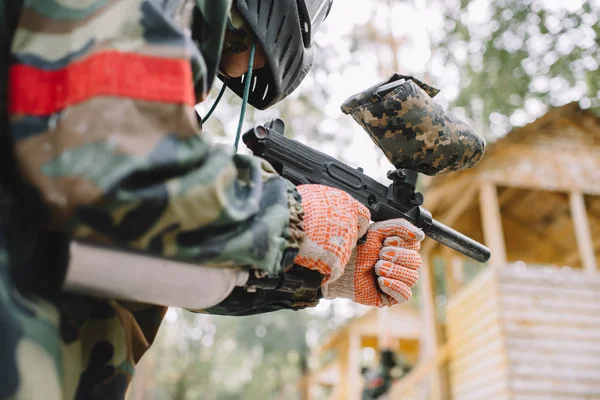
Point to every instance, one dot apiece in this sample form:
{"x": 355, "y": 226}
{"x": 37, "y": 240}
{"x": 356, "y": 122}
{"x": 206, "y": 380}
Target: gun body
{"x": 303, "y": 165}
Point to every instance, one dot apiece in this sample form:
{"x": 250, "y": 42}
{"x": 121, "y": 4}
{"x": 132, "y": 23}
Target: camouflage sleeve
{"x": 103, "y": 127}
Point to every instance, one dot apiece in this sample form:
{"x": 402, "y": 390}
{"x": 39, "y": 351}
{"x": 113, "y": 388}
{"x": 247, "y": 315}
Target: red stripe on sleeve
{"x": 34, "y": 91}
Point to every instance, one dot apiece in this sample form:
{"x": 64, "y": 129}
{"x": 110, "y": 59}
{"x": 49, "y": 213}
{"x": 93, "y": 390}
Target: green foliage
{"x": 523, "y": 56}
{"x": 213, "y": 357}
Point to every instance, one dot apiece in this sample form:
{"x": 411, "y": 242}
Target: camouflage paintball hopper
{"x": 413, "y": 131}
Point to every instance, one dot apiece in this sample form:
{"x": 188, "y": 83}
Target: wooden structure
{"x": 339, "y": 357}
{"x": 528, "y": 326}
{"x": 526, "y": 333}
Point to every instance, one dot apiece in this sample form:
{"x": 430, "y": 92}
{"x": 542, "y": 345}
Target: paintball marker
{"x": 416, "y": 136}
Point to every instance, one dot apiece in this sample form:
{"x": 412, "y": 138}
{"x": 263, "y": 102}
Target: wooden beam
{"x": 429, "y": 338}
{"x": 353, "y": 371}
{"x": 593, "y": 219}
{"x": 492, "y": 223}
{"x": 458, "y": 271}
{"x": 573, "y": 258}
{"x": 453, "y": 271}
{"x": 341, "y": 387}
{"x": 548, "y": 186}
{"x": 582, "y": 231}
{"x": 507, "y": 193}
{"x": 444, "y": 188}
{"x": 384, "y": 332}
{"x": 304, "y": 387}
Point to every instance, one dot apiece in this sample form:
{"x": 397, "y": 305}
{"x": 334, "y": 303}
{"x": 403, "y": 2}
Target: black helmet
{"x": 285, "y": 29}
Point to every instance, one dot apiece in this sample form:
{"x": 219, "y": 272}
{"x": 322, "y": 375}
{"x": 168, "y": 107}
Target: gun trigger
{"x": 362, "y": 239}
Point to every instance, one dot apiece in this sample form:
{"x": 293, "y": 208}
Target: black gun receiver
{"x": 301, "y": 164}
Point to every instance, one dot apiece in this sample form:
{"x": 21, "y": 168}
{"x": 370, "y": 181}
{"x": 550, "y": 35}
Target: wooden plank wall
{"x": 526, "y": 334}
{"x": 551, "y": 320}
{"x": 478, "y": 365}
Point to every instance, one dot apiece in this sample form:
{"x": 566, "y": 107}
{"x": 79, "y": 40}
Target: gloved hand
{"x": 333, "y": 223}
{"x": 380, "y": 271}
{"x": 391, "y": 251}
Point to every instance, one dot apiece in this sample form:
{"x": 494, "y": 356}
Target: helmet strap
{"x": 247, "y": 80}
{"x": 212, "y": 108}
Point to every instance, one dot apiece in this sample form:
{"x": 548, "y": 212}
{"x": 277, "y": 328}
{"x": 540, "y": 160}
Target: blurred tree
{"x": 515, "y": 58}
{"x": 213, "y": 357}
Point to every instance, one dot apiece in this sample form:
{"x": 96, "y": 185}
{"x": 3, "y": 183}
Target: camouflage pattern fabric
{"x": 414, "y": 131}
{"x": 107, "y": 149}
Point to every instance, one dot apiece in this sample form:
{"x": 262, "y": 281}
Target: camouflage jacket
{"x": 100, "y": 142}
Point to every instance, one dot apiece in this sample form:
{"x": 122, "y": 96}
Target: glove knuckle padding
{"x": 396, "y": 241}
{"x": 390, "y": 270}
{"x": 405, "y": 257}
{"x": 398, "y": 290}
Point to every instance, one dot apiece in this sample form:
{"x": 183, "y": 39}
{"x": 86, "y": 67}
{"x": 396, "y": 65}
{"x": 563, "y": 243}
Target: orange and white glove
{"x": 380, "y": 271}
{"x": 333, "y": 223}
{"x": 383, "y": 269}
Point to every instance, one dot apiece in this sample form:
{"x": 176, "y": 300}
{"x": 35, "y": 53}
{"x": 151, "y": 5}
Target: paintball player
{"x": 378, "y": 381}
{"x": 100, "y": 142}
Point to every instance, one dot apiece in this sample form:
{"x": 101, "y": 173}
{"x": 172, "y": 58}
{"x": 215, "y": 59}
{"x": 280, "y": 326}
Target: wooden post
{"x": 385, "y": 333}
{"x": 458, "y": 271}
{"x": 582, "y": 231}
{"x": 353, "y": 373}
{"x": 492, "y": 223}
{"x": 341, "y": 387}
{"x": 304, "y": 386}
{"x": 429, "y": 336}
{"x": 453, "y": 271}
